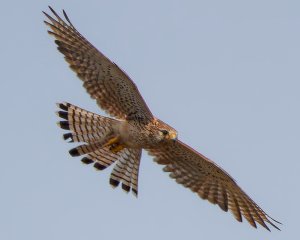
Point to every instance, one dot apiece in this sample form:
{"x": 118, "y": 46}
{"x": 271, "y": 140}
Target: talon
{"x": 114, "y": 145}
{"x": 116, "y": 148}
{"x": 111, "y": 141}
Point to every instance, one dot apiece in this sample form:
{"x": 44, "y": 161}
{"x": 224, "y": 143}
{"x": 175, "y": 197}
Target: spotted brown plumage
{"x": 113, "y": 90}
{"x": 120, "y": 140}
{"x": 209, "y": 181}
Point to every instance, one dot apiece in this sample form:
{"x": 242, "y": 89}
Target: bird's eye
{"x": 164, "y": 132}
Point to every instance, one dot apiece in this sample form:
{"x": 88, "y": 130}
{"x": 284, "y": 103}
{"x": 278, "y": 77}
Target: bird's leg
{"x": 111, "y": 141}
{"x": 114, "y": 145}
{"x": 116, "y": 148}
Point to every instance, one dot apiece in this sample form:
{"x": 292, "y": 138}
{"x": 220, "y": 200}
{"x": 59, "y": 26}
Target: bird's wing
{"x": 209, "y": 181}
{"x": 111, "y": 87}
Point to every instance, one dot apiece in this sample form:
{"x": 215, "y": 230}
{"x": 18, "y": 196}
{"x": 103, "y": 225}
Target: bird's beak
{"x": 173, "y": 136}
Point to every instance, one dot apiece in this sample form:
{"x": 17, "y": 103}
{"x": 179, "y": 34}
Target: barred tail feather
{"x": 85, "y": 126}
{"x": 95, "y": 130}
{"x": 135, "y": 176}
{"x": 103, "y": 158}
{"x": 84, "y": 149}
{"x": 126, "y": 170}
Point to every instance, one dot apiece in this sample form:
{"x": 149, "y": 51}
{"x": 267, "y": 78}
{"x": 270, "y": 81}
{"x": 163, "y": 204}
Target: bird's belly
{"x": 135, "y": 136}
{"x": 135, "y": 140}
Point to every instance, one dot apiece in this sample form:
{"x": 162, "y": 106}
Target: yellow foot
{"x": 116, "y": 148}
{"x": 114, "y": 145}
{"x": 112, "y": 141}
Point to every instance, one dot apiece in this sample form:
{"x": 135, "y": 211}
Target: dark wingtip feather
{"x": 55, "y": 14}
{"x": 114, "y": 183}
{"x": 50, "y": 8}
{"x": 47, "y": 15}
{"x": 67, "y": 18}
{"x": 62, "y": 49}
{"x": 223, "y": 207}
{"x": 57, "y": 42}
{"x": 74, "y": 152}
{"x": 86, "y": 160}
{"x": 274, "y": 224}
{"x": 274, "y": 220}
{"x": 50, "y": 32}
{"x": 64, "y": 125}
{"x": 99, "y": 166}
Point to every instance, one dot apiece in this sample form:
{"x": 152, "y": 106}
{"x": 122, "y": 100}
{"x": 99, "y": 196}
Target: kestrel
{"x": 120, "y": 139}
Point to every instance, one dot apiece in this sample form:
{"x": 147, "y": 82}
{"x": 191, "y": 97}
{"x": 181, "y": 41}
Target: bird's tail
{"x": 95, "y": 131}
{"x": 84, "y": 126}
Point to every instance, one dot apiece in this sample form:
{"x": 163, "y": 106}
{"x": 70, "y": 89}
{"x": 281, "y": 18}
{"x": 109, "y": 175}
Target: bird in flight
{"x": 119, "y": 140}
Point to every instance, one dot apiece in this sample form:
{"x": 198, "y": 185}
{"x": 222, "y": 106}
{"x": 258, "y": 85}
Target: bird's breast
{"x": 135, "y": 135}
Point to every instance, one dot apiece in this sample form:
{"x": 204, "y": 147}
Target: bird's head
{"x": 166, "y": 132}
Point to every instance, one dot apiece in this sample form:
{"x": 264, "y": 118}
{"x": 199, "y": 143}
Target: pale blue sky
{"x": 225, "y": 74}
